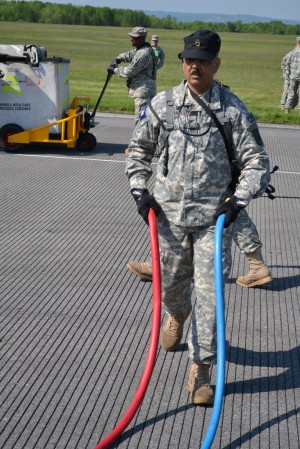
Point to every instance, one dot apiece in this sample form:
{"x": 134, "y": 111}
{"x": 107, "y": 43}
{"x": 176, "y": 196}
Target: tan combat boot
{"x": 258, "y": 274}
{"x": 141, "y": 269}
{"x": 172, "y": 331}
{"x": 199, "y": 384}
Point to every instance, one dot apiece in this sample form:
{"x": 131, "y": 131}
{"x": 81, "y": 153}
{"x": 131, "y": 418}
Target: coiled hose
{"x": 154, "y": 337}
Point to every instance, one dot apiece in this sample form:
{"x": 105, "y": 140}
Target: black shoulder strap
{"x": 235, "y": 171}
{"x": 167, "y": 127}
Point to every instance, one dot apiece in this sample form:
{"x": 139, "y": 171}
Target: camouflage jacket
{"x": 140, "y": 73}
{"x": 199, "y": 169}
{"x": 285, "y": 65}
{"x": 291, "y": 64}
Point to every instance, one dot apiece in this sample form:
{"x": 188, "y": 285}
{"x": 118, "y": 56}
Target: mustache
{"x": 195, "y": 72}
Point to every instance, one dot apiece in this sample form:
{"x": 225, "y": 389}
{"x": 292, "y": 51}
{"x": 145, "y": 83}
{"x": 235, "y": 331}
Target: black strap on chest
{"x": 168, "y": 126}
{"x": 235, "y": 171}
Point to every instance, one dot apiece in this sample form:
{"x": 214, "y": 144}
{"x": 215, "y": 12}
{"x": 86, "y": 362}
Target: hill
{"x": 219, "y": 18}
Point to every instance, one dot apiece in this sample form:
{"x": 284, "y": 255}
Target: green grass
{"x": 250, "y": 64}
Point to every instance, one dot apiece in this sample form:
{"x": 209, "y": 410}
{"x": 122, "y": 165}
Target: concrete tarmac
{"x": 75, "y": 323}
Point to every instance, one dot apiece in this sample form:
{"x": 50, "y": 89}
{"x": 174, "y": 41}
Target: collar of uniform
{"x": 214, "y": 101}
{"x": 205, "y": 96}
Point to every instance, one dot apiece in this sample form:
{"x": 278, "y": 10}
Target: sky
{"x": 284, "y": 10}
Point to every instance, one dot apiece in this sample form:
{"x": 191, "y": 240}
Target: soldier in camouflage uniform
{"x": 286, "y": 76}
{"x": 291, "y": 69}
{"x": 193, "y": 172}
{"x": 141, "y": 71}
{"x": 158, "y": 51}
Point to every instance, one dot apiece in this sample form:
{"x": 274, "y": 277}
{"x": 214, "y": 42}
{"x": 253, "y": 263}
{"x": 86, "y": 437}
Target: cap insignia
{"x": 197, "y": 43}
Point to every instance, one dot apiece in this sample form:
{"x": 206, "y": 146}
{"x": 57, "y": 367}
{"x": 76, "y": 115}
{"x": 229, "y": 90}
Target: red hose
{"x": 150, "y": 361}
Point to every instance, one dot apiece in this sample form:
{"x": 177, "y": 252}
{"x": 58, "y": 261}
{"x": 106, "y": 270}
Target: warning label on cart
{"x": 11, "y": 85}
{"x": 34, "y": 96}
{"x": 15, "y": 106}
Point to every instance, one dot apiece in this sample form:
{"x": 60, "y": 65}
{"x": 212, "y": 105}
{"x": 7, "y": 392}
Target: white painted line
{"x": 109, "y": 160}
{"x": 287, "y": 172}
{"x": 67, "y": 157}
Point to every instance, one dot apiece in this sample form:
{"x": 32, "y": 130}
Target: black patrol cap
{"x": 202, "y": 44}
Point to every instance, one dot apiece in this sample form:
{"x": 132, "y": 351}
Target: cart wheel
{"x": 5, "y": 132}
{"x": 86, "y": 141}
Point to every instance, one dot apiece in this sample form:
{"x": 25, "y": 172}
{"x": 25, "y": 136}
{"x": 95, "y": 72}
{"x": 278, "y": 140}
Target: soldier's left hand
{"x": 231, "y": 207}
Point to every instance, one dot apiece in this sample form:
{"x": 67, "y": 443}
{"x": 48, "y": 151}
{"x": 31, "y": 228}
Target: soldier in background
{"x": 290, "y": 66}
{"x": 286, "y": 76}
{"x": 141, "y": 71}
{"x": 193, "y": 173}
{"x": 158, "y": 51}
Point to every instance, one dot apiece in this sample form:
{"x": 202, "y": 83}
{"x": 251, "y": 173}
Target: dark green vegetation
{"x": 250, "y": 63}
{"x": 45, "y": 12}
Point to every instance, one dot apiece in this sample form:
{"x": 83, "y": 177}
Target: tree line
{"x": 44, "y": 12}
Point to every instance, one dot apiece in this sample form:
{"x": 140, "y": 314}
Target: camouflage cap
{"x": 138, "y": 32}
{"x": 202, "y": 44}
{"x": 154, "y": 37}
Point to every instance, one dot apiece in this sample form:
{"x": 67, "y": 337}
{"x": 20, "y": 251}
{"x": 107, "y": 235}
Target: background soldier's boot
{"x": 172, "y": 331}
{"x": 258, "y": 274}
{"x": 141, "y": 269}
{"x": 199, "y": 384}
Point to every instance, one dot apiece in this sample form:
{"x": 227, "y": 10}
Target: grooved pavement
{"x": 75, "y": 323}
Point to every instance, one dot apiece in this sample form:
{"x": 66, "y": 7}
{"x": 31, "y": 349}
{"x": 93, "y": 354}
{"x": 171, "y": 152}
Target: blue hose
{"x": 221, "y": 339}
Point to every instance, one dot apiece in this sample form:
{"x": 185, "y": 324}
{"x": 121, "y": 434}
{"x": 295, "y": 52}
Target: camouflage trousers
{"x": 245, "y": 234}
{"x": 286, "y": 84}
{"x": 284, "y": 97}
{"x": 292, "y": 94}
{"x": 187, "y": 262}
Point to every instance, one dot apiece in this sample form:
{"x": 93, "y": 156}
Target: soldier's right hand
{"x": 116, "y": 61}
{"x": 111, "y": 69}
{"x": 145, "y": 202}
